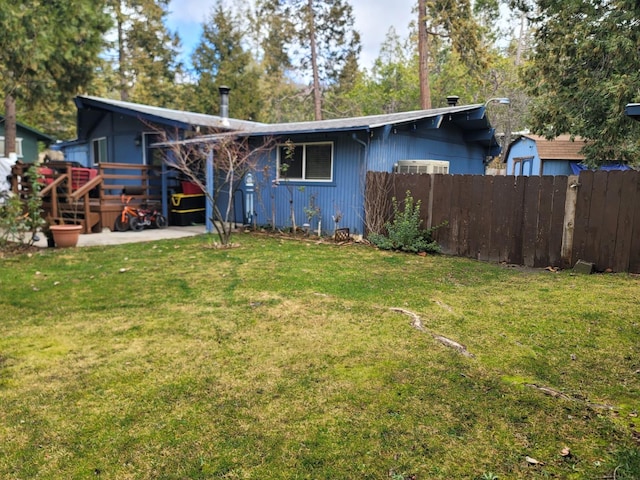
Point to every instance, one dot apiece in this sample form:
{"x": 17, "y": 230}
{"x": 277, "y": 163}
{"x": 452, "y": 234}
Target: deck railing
{"x": 93, "y": 194}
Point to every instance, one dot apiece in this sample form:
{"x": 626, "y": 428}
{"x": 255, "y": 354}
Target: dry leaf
{"x": 565, "y": 452}
{"x": 533, "y": 461}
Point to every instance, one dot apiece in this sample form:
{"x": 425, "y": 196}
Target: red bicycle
{"x": 137, "y": 218}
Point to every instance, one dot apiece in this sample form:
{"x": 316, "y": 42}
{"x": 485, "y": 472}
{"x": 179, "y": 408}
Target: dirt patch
{"x": 14, "y": 249}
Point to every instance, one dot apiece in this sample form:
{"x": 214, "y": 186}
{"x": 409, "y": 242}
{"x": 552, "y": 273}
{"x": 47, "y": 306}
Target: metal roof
{"x": 633, "y": 110}
{"x": 176, "y": 118}
{"x": 355, "y": 123}
{"x": 91, "y": 111}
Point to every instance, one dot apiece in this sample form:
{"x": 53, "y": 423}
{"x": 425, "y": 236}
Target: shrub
{"x": 21, "y": 218}
{"x": 404, "y": 231}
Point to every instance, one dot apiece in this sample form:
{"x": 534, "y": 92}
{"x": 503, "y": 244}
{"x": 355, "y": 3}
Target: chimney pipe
{"x": 224, "y": 101}
{"x": 452, "y": 100}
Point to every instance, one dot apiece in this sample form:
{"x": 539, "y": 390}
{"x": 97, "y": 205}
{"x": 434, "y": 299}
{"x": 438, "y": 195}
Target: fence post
{"x": 430, "y": 202}
{"x": 569, "y": 220}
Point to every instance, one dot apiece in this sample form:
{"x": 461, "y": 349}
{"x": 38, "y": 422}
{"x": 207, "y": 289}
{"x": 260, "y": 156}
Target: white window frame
{"x": 304, "y": 163}
{"x": 19, "y": 153}
{"x": 95, "y": 161}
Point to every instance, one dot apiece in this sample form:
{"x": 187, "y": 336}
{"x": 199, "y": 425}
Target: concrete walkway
{"x": 117, "y": 238}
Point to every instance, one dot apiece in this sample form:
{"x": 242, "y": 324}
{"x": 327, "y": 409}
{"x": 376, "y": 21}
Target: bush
{"x": 21, "y": 218}
{"x": 404, "y": 232}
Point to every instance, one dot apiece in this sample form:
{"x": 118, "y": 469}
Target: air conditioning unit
{"x": 421, "y": 166}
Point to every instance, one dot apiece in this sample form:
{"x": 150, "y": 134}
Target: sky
{"x": 373, "y": 18}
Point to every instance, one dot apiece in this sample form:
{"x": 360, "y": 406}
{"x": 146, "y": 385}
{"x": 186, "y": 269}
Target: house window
{"x": 152, "y": 156}
{"x": 307, "y": 162}
{"x": 99, "y": 150}
{"x": 18, "y": 147}
{"x": 522, "y": 166}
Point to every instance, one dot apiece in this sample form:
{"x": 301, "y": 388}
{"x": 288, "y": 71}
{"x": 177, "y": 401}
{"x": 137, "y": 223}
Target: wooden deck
{"x": 90, "y": 197}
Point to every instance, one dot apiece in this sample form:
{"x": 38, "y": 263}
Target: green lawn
{"x": 283, "y": 359}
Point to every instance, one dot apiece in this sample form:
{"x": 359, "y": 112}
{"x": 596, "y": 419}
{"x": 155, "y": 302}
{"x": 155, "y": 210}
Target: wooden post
{"x": 569, "y": 220}
{"x": 9, "y": 127}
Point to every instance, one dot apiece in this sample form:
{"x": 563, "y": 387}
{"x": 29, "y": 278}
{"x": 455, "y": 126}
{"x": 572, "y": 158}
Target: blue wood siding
{"x": 78, "y": 153}
{"x": 525, "y": 152}
{"x": 556, "y": 167}
{"x": 343, "y": 194}
{"x": 388, "y": 146}
{"x": 121, "y": 133}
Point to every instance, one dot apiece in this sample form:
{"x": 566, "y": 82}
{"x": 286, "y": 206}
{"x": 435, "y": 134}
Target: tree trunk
{"x": 122, "y": 56}
{"x": 9, "y": 125}
{"x": 423, "y": 56}
{"x": 520, "y": 48}
{"x": 317, "y": 94}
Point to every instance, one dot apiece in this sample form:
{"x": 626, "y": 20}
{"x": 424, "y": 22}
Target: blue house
{"x": 330, "y": 158}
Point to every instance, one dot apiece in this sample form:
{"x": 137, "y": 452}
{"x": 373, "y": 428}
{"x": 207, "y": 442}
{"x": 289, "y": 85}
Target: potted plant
{"x": 65, "y": 234}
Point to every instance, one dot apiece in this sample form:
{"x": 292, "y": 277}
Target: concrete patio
{"x": 108, "y": 237}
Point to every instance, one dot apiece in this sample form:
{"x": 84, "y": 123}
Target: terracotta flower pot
{"x": 66, "y": 235}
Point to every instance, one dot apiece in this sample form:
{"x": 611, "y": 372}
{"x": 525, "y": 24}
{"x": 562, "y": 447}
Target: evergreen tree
{"x": 222, "y": 58}
{"x": 453, "y": 21}
{"x": 146, "y": 52}
{"x": 328, "y": 44}
{"x": 392, "y": 85}
{"x": 48, "y": 51}
{"x": 282, "y": 99}
{"x": 584, "y": 71}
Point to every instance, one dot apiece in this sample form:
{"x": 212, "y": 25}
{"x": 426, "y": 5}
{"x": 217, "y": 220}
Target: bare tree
{"x": 377, "y": 201}
{"x": 226, "y": 157}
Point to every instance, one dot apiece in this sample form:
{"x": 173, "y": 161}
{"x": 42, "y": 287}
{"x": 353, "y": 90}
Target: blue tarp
{"x": 576, "y": 167}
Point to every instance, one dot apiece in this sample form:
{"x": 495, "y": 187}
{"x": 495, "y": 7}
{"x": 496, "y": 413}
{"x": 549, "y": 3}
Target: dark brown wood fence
{"x": 533, "y": 221}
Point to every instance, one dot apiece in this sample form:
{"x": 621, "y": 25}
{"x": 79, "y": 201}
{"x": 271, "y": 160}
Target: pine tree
{"x": 584, "y": 71}
{"x": 145, "y": 51}
{"x": 48, "y": 51}
{"x": 453, "y": 21}
{"x": 282, "y": 99}
{"x": 222, "y": 58}
{"x": 328, "y": 44}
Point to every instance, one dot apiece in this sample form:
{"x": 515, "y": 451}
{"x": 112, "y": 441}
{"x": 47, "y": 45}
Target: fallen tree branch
{"x": 552, "y": 392}
{"x": 416, "y": 323}
{"x": 455, "y": 345}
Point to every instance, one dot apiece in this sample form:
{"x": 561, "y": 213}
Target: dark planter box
{"x": 180, "y": 201}
{"x": 183, "y": 218}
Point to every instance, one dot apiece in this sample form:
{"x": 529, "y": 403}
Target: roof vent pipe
{"x": 224, "y": 101}
{"x": 452, "y": 100}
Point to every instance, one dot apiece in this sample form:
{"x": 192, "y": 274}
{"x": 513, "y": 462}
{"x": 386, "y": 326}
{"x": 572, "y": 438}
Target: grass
{"x": 282, "y": 359}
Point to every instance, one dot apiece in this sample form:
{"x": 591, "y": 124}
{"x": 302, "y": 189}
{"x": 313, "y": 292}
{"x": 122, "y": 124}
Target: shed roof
{"x": 560, "y": 148}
